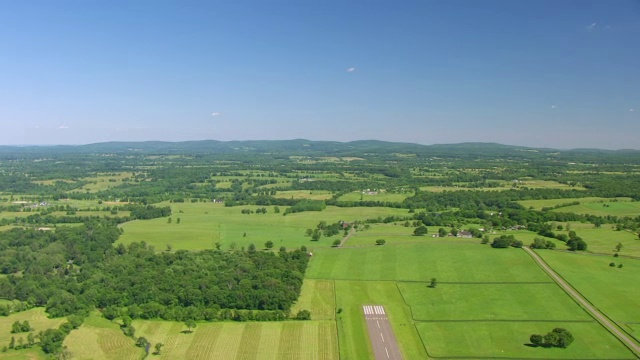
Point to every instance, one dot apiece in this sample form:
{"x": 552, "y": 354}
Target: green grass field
{"x": 380, "y": 196}
{"x": 613, "y": 290}
{"x": 317, "y": 296}
{"x": 204, "y": 224}
{"x": 509, "y": 340}
{"x": 604, "y": 239}
{"x": 449, "y": 260}
{"x": 620, "y": 208}
{"x": 99, "y": 338}
{"x": 490, "y": 302}
{"x": 36, "y": 317}
{"x": 539, "y": 204}
{"x": 253, "y": 340}
{"x": 304, "y": 194}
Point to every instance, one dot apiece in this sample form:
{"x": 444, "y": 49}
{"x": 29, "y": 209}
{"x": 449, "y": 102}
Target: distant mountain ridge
{"x": 303, "y": 147}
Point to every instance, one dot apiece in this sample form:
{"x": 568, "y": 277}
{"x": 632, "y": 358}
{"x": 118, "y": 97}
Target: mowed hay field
{"x": 36, "y": 317}
{"x": 203, "y": 224}
{"x": 252, "y": 340}
{"x": 99, "y": 338}
{"x": 317, "y": 296}
{"x": 38, "y": 320}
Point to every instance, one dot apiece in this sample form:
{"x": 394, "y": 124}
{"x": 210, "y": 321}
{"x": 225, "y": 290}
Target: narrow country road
{"x": 595, "y": 313}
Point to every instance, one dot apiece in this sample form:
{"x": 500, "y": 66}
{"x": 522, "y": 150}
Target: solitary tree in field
{"x": 158, "y": 348}
{"x": 433, "y": 283}
{"x": 420, "y": 231}
{"x": 190, "y": 324}
{"x": 268, "y": 244}
{"x": 169, "y": 221}
{"x": 336, "y": 243}
{"x": 619, "y": 247}
{"x": 178, "y": 221}
{"x": 380, "y": 242}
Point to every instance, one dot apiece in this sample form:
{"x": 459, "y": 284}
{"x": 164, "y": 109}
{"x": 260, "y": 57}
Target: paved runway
{"x": 381, "y": 335}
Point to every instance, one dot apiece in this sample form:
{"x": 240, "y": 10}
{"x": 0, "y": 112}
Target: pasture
{"x": 539, "y": 204}
{"x": 447, "y": 259}
{"x": 104, "y": 181}
{"x": 376, "y": 196}
{"x": 603, "y": 240}
{"x": 475, "y": 302}
{"x": 304, "y": 194}
{"x": 613, "y": 208}
{"x": 613, "y": 290}
{"x": 203, "y": 224}
{"x": 510, "y": 340}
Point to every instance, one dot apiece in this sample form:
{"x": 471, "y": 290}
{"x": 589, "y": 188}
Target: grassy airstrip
{"x": 488, "y": 301}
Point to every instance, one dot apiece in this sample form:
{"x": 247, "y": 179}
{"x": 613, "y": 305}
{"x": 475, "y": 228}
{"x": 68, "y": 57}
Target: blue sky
{"x": 560, "y": 74}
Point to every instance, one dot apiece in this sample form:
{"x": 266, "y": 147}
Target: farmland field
{"x": 99, "y": 338}
{"x": 378, "y": 196}
{"x": 317, "y": 296}
{"x": 510, "y": 340}
{"x": 252, "y": 340}
{"x": 203, "y": 224}
{"x": 36, "y": 317}
{"x": 447, "y": 260}
{"x": 610, "y": 289}
{"x": 473, "y": 302}
{"x": 304, "y": 194}
{"x": 604, "y": 239}
{"x": 618, "y": 208}
{"x": 539, "y": 204}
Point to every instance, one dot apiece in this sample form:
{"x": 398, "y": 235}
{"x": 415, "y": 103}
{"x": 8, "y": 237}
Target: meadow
{"x": 603, "y": 240}
{"x": 613, "y": 290}
{"x": 548, "y": 203}
{"x": 613, "y": 208}
{"x": 448, "y": 260}
{"x": 510, "y": 340}
{"x": 304, "y": 194}
{"x": 204, "y": 224}
{"x": 376, "y": 196}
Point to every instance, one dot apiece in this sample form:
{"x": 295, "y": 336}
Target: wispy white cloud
{"x": 216, "y": 114}
{"x": 554, "y": 106}
{"x": 351, "y": 69}
{"x": 632, "y": 110}
{"x": 592, "y": 26}
{"x": 63, "y": 127}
